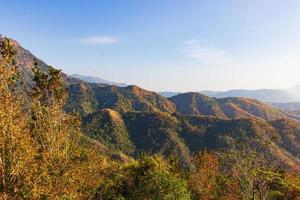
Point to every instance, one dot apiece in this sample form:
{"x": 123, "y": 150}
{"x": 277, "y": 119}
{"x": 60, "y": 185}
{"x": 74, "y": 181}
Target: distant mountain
{"x": 231, "y": 108}
{"x": 92, "y": 79}
{"x": 266, "y": 95}
{"x": 168, "y": 94}
{"x": 293, "y": 106}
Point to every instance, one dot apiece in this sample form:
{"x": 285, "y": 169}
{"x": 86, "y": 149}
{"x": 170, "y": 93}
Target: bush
{"x": 147, "y": 178}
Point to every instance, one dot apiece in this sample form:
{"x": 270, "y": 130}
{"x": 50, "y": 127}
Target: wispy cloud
{"x": 99, "y": 40}
{"x": 201, "y": 51}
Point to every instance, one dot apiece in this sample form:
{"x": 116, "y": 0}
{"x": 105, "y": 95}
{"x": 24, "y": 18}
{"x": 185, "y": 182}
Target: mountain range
{"x": 266, "y": 95}
{"x": 92, "y": 79}
{"x": 276, "y": 96}
{"x": 284, "y": 99}
{"x": 132, "y": 120}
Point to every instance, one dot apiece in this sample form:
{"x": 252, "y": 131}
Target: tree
{"x": 17, "y": 154}
{"x": 42, "y": 152}
{"x": 258, "y": 175}
{"x": 65, "y": 168}
{"x": 146, "y": 178}
{"x": 203, "y": 177}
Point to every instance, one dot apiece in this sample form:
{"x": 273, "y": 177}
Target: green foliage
{"x": 108, "y": 127}
{"x": 87, "y": 98}
{"x": 230, "y": 108}
{"x": 157, "y": 133}
{"x": 146, "y": 178}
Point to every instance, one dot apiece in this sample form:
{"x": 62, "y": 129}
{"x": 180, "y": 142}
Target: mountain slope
{"x": 196, "y": 104}
{"x": 108, "y": 127}
{"x": 25, "y": 61}
{"x": 87, "y": 98}
{"x": 137, "y": 132}
{"x": 184, "y": 135}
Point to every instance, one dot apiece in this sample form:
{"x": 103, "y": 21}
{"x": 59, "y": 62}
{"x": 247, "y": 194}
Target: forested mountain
{"x": 98, "y": 141}
{"x": 184, "y": 135}
{"x": 230, "y": 108}
{"x": 89, "y": 97}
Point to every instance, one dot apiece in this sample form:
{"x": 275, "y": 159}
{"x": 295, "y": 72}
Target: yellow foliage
{"x": 40, "y": 152}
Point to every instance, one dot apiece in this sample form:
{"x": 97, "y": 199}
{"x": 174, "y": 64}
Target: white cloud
{"x": 99, "y": 40}
{"x": 201, "y": 51}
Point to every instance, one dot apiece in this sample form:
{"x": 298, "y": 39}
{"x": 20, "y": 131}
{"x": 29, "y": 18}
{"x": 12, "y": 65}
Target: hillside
{"x": 25, "y": 61}
{"x": 87, "y": 98}
{"x": 182, "y": 136}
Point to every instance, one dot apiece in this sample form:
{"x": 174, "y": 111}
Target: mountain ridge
{"x": 193, "y": 103}
{"x": 93, "y": 79}
{"x": 265, "y": 95}
{"x": 131, "y": 119}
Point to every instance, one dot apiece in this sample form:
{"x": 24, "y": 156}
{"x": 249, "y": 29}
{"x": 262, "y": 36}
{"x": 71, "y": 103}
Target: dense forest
{"x": 66, "y": 139}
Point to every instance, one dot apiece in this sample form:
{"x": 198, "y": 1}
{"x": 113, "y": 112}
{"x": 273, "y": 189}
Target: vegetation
{"x": 90, "y": 97}
{"x": 41, "y": 156}
{"x": 108, "y": 127}
{"x": 146, "y": 178}
{"x": 44, "y": 155}
{"x": 230, "y": 108}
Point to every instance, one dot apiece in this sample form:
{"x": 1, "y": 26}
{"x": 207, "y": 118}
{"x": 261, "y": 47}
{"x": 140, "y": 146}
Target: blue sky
{"x": 177, "y": 45}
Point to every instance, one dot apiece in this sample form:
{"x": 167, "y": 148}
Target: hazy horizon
{"x": 164, "y": 45}
{"x": 93, "y": 76}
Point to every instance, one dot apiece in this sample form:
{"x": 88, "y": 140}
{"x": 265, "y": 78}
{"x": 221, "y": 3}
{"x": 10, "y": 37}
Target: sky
{"x": 164, "y": 45}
